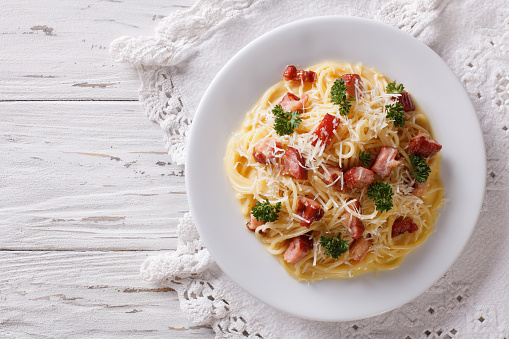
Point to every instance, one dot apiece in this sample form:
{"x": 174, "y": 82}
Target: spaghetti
{"x": 366, "y": 128}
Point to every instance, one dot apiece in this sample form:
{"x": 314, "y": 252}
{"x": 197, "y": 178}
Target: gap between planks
{"x": 87, "y": 294}
{"x": 83, "y": 176}
{"x": 72, "y": 41}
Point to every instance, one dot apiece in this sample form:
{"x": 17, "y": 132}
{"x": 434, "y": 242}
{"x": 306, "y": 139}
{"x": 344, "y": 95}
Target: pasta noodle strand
{"x": 367, "y": 129}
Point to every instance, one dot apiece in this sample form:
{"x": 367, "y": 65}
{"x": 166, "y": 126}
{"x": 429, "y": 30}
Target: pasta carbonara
{"x": 315, "y": 162}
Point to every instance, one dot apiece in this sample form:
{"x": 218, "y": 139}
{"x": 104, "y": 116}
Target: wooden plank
{"x": 86, "y": 176}
{"x": 80, "y": 176}
{"x": 86, "y": 294}
{"x": 59, "y": 50}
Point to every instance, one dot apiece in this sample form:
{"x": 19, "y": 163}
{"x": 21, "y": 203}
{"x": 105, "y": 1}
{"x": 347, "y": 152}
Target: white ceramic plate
{"x": 237, "y": 88}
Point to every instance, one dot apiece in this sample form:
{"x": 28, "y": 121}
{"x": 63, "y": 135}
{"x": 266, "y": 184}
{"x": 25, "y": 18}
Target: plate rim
{"x": 190, "y": 147}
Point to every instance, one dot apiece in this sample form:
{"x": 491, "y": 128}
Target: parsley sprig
{"x": 286, "y": 122}
{"x": 334, "y": 246}
{"x": 365, "y": 158}
{"x": 338, "y": 96}
{"x": 396, "y": 112}
{"x": 264, "y": 211}
{"x": 420, "y": 169}
{"x": 393, "y": 88}
{"x": 381, "y": 193}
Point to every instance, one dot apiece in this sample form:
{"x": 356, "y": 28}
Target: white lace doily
{"x": 190, "y": 47}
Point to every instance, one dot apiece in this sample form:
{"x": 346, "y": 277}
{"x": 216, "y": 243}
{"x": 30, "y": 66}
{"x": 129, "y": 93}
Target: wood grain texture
{"x": 86, "y": 294}
{"x": 92, "y": 172}
{"x": 87, "y": 188}
{"x": 59, "y": 50}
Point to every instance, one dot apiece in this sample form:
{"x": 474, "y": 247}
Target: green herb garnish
{"x": 334, "y": 246}
{"x": 286, "y": 122}
{"x": 264, "y": 211}
{"x": 397, "y": 113}
{"x": 381, "y": 193}
{"x": 393, "y": 88}
{"x": 420, "y": 169}
{"x": 365, "y": 158}
{"x": 338, "y": 96}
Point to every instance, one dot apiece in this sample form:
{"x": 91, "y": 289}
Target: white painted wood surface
{"x": 58, "y": 50}
{"x": 87, "y": 190}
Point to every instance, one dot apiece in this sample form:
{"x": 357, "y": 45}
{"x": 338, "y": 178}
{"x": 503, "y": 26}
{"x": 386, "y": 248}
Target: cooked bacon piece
{"x": 423, "y": 145}
{"x": 331, "y": 176}
{"x": 359, "y": 248}
{"x": 356, "y": 205}
{"x": 405, "y": 100}
{"x": 291, "y": 102}
{"x": 325, "y": 130}
{"x": 385, "y": 161}
{"x": 306, "y": 76}
{"x": 402, "y": 225}
{"x": 359, "y": 177}
{"x": 354, "y": 224}
{"x": 293, "y": 164}
{"x": 298, "y": 249}
{"x": 292, "y": 73}
{"x": 264, "y": 151}
{"x": 308, "y": 209}
{"x": 350, "y": 81}
{"x": 419, "y": 189}
{"x": 254, "y": 223}
{"x": 288, "y": 98}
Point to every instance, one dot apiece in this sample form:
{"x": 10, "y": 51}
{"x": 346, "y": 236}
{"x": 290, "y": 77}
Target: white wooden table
{"x": 87, "y": 190}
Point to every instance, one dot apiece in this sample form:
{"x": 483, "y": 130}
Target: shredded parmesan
{"x": 365, "y": 128}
